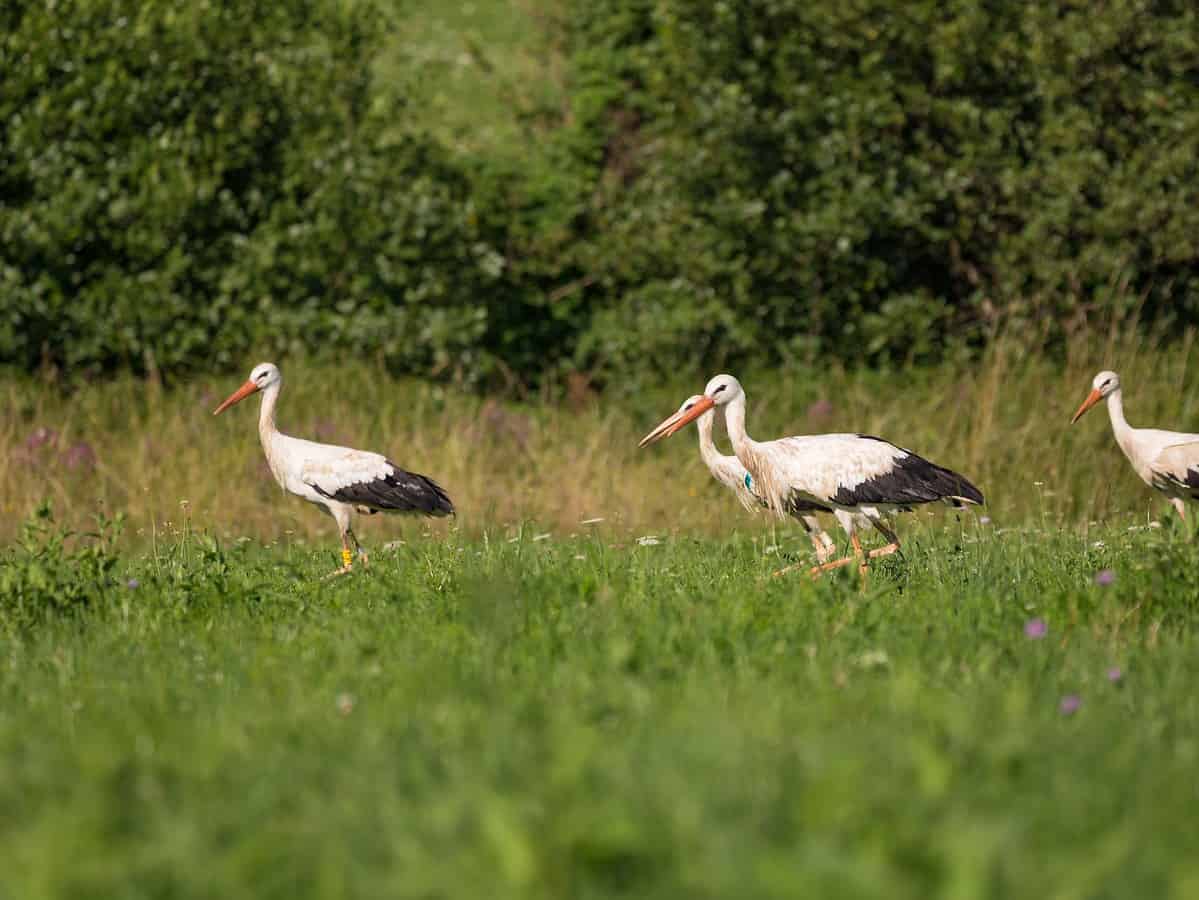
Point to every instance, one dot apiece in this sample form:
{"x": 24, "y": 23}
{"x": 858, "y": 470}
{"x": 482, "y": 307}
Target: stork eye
{"x": 719, "y": 389}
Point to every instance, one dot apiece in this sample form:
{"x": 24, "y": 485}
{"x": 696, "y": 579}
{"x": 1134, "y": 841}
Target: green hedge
{"x": 186, "y": 182}
{"x": 189, "y": 183}
{"x": 873, "y": 178}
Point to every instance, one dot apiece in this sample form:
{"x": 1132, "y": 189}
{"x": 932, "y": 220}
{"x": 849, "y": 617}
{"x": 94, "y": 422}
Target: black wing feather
{"x": 399, "y": 491}
{"x": 912, "y": 480}
{"x": 1193, "y": 479}
{"x": 796, "y": 506}
{"x": 1191, "y": 482}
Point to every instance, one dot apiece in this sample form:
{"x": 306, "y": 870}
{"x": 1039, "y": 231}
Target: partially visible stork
{"x": 337, "y": 479}
{"x": 1165, "y": 460}
{"x": 729, "y": 472}
{"x": 851, "y": 474}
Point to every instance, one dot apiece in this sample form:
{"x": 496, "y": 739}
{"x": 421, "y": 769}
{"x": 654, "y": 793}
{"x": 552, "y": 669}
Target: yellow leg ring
{"x": 347, "y": 558}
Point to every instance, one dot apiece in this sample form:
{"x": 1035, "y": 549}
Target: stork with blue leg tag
{"x": 728, "y": 471}
{"x": 854, "y": 475}
{"x": 339, "y": 480}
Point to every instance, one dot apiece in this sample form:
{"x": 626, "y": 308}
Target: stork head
{"x": 723, "y": 389}
{"x": 262, "y": 376}
{"x": 1102, "y": 385}
{"x": 720, "y": 390}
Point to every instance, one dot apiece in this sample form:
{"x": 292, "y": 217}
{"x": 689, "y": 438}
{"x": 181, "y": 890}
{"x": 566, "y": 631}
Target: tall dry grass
{"x": 159, "y": 456}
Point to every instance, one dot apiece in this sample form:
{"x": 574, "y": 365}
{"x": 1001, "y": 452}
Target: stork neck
{"x": 266, "y": 413}
{"x": 1120, "y": 426}
{"x": 734, "y": 423}
{"x": 712, "y": 457}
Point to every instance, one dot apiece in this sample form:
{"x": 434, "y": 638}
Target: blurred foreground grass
{"x": 159, "y": 456}
{"x": 595, "y": 718}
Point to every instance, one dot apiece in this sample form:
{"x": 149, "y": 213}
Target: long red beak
{"x": 1092, "y": 398}
{"x": 669, "y": 426}
{"x": 236, "y": 397}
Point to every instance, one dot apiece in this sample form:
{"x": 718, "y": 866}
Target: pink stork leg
{"x": 358, "y": 547}
{"x": 817, "y": 571}
{"x": 342, "y": 516}
{"x": 863, "y": 560}
{"x": 892, "y": 538}
{"x": 1180, "y": 506}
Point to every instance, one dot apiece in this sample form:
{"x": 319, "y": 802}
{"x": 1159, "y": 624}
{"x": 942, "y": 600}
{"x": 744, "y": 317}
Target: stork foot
{"x": 817, "y": 571}
{"x": 824, "y": 552}
{"x": 344, "y": 570}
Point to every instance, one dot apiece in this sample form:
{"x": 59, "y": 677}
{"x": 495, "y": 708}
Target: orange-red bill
{"x": 659, "y": 431}
{"x": 1092, "y": 398}
{"x": 236, "y": 397}
{"x": 679, "y": 420}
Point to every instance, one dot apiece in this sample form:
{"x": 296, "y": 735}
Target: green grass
{"x": 591, "y": 717}
{"x": 159, "y": 456}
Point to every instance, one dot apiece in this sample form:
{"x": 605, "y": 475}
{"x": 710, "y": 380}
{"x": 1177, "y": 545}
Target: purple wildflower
{"x": 133, "y": 584}
{"x": 41, "y": 437}
{"x": 1035, "y": 629}
{"x": 821, "y": 409}
{"x": 1104, "y": 577}
{"x": 80, "y": 456}
{"x": 1114, "y": 674}
{"x": 1070, "y": 704}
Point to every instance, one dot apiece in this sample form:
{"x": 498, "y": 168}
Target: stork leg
{"x": 358, "y": 547}
{"x": 821, "y": 542}
{"x": 845, "y": 518}
{"x": 891, "y": 536}
{"x": 819, "y": 570}
{"x": 347, "y": 558}
{"x": 816, "y": 571}
{"x": 1180, "y": 506}
{"x": 863, "y": 560}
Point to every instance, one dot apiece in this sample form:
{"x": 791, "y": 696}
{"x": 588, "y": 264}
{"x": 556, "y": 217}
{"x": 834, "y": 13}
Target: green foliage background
{"x": 697, "y": 184}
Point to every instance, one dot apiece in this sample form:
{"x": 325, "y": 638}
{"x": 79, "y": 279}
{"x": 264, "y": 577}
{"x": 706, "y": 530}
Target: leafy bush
{"x": 877, "y": 177}
{"x": 46, "y": 572}
{"x": 187, "y": 182}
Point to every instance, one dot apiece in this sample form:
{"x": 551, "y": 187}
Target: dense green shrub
{"x": 876, "y": 177}
{"x": 48, "y": 572}
{"x": 187, "y": 182}
{"x": 184, "y": 184}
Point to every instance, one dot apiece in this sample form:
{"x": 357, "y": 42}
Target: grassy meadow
{"x": 1004, "y": 712}
{"x": 159, "y": 457}
{"x": 518, "y": 704}
{"x": 587, "y": 684}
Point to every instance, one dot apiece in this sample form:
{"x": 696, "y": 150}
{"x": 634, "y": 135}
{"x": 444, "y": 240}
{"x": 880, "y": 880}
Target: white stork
{"x": 729, "y": 472}
{"x": 337, "y": 479}
{"x": 1166, "y": 460}
{"x": 851, "y": 474}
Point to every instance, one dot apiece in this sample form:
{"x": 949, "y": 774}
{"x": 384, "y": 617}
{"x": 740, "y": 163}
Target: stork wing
{"x": 1178, "y": 464}
{"x": 373, "y": 481}
{"x": 861, "y": 469}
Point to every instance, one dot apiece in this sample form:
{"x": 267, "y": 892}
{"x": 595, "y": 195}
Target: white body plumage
{"x": 729, "y": 471}
{"x": 1165, "y": 460}
{"x": 339, "y": 480}
{"x": 851, "y": 474}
